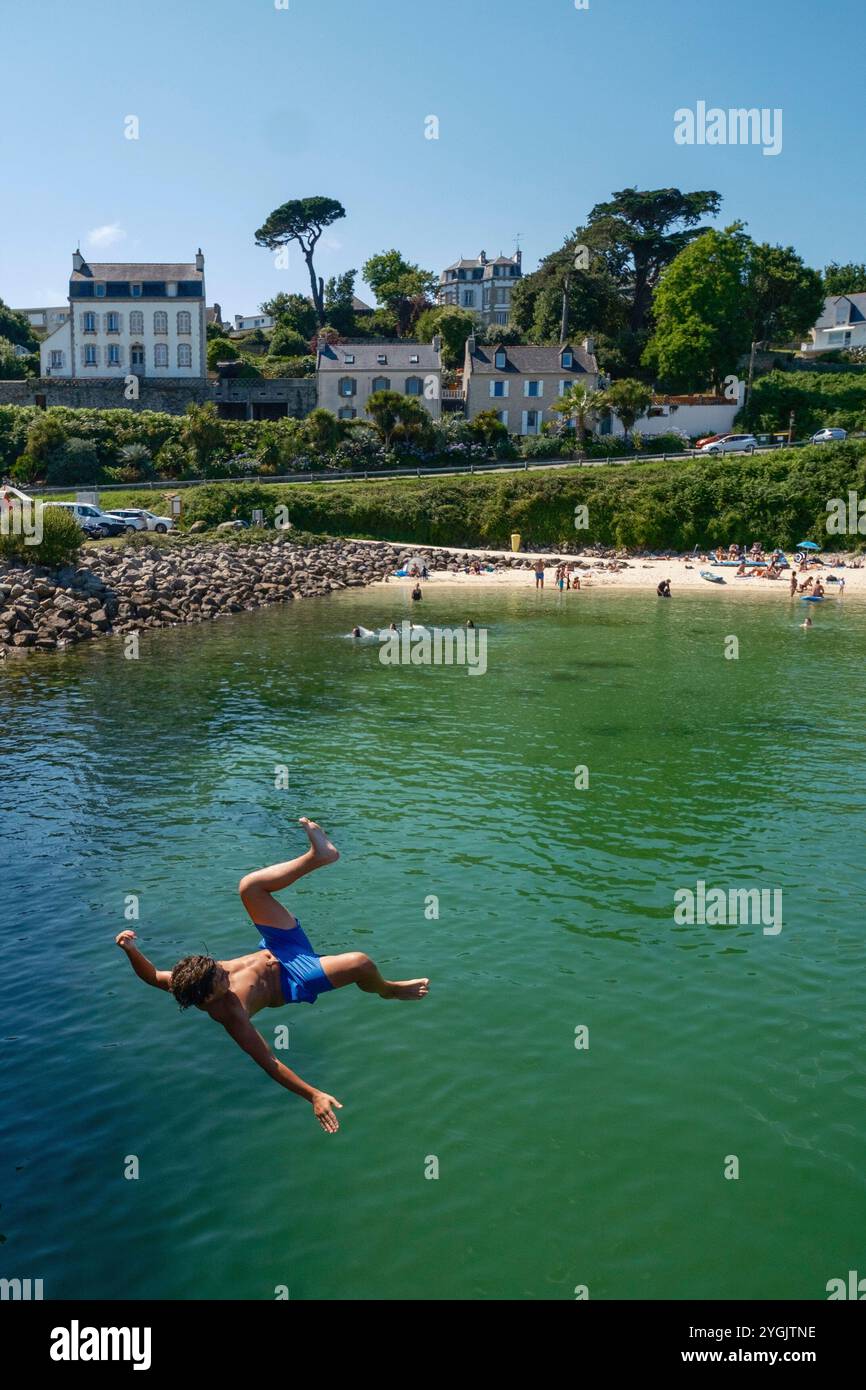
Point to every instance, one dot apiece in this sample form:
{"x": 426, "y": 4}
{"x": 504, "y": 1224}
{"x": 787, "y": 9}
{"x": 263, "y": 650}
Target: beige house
{"x": 522, "y": 384}
{"x": 347, "y": 374}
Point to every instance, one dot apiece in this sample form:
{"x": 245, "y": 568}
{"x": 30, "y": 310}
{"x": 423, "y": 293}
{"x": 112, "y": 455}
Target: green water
{"x": 557, "y": 1166}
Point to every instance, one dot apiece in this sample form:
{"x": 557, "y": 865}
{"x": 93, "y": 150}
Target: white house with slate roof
{"x": 139, "y": 318}
{"x": 348, "y": 373}
{"x": 842, "y": 324}
{"x": 522, "y": 384}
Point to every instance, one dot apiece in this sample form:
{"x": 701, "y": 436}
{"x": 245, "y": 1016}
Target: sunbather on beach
{"x": 285, "y": 969}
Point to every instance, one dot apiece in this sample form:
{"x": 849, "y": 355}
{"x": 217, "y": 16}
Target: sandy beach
{"x": 639, "y": 573}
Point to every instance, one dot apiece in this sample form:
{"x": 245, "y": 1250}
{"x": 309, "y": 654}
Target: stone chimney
{"x": 589, "y": 346}
{"x": 437, "y": 342}
{"x": 199, "y": 260}
{"x": 483, "y": 257}
{"x": 472, "y": 343}
{"x": 518, "y": 256}
{"x": 77, "y": 259}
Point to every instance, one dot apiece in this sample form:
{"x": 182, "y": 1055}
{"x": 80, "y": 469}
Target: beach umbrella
{"x": 803, "y": 549}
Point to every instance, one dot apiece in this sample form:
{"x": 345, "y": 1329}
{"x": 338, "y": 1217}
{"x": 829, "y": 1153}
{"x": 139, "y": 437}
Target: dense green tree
{"x": 220, "y": 350}
{"x": 702, "y": 313}
{"x": 844, "y": 279}
{"x": 285, "y": 342}
{"x": 639, "y": 233}
{"x": 302, "y": 220}
{"x": 13, "y": 367}
{"x": 339, "y": 302}
{"x": 453, "y": 325}
{"x": 294, "y": 310}
{"x": 16, "y": 329}
{"x": 609, "y": 269}
{"x": 400, "y": 286}
{"x": 784, "y": 296}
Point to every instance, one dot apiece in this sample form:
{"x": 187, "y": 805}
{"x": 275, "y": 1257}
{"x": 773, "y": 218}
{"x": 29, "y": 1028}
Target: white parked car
{"x": 143, "y": 520}
{"x": 731, "y": 444}
{"x": 93, "y": 519}
{"x": 829, "y": 435}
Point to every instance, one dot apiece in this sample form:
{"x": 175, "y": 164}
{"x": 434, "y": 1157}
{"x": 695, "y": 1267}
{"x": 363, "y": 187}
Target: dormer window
{"x": 499, "y": 359}
{"x": 842, "y": 309}
{"x": 349, "y": 359}
{"x": 135, "y": 291}
{"x": 414, "y": 359}
{"x": 568, "y": 358}
{"x": 171, "y": 288}
{"x": 99, "y": 289}
{"x": 381, "y": 358}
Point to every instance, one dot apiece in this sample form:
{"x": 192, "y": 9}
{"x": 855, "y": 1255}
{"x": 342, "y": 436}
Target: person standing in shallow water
{"x": 539, "y": 574}
{"x": 416, "y": 593}
{"x": 285, "y": 969}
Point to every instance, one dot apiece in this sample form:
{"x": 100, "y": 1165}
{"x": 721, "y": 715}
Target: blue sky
{"x": 543, "y": 111}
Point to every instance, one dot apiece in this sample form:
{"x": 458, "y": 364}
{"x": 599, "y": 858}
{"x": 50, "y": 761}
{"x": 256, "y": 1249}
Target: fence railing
{"x": 356, "y": 474}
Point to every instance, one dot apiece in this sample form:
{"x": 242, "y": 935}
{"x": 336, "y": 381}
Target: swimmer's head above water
{"x": 198, "y": 980}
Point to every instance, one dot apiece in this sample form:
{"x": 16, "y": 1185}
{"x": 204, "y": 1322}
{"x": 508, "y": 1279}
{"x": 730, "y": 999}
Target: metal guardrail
{"x": 371, "y": 474}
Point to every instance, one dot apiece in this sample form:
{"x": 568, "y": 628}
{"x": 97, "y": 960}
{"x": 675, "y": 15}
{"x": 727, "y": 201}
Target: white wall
{"x": 125, "y": 339}
{"x": 691, "y": 419}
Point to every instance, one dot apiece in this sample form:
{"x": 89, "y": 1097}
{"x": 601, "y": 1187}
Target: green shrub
{"x": 61, "y": 541}
{"x": 220, "y": 350}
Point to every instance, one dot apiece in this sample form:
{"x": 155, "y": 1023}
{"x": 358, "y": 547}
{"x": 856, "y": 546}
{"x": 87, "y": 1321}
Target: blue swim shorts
{"x": 301, "y": 975}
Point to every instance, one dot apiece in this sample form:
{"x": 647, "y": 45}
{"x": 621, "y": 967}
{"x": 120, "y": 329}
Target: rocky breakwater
{"x": 130, "y": 589}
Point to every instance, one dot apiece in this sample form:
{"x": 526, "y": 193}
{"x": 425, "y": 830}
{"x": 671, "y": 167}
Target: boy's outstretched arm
{"x": 239, "y": 1027}
{"x": 144, "y": 969}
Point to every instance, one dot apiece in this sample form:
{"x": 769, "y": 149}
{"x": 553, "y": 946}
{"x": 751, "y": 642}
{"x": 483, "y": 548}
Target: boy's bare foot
{"x": 322, "y": 847}
{"x": 405, "y": 989}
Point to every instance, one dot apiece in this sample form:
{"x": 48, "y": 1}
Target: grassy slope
{"x": 779, "y": 498}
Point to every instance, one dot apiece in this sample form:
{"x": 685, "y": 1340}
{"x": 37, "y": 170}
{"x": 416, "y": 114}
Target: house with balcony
{"x": 483, "y": 286}
{"x": 138, "y": 318}
{"x": 347, "y": 374}
{"x": 841, "y": 325}
{"x": 522, "y": 384}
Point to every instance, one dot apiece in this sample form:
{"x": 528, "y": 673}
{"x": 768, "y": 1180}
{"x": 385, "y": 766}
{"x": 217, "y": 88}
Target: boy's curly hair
{"x": 192, "y": 980}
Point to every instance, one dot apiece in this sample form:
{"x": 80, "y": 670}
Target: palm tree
{"x": 629, "y": 399}
{"x": 580, "y": 404}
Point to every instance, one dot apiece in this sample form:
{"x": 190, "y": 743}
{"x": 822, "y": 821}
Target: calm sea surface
{"x": 557, "y": 1166}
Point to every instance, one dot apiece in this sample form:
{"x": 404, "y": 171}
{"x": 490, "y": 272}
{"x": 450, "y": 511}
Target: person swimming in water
{"x": 416, "y": 593}
{"x": 807, "y": 623}
{"x": 284, "y": 969}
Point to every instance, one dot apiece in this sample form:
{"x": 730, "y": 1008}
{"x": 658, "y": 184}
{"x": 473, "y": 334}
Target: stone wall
{"x": 242, "y": 398}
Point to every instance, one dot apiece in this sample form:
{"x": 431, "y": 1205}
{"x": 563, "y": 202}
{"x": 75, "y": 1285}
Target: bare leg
{"x": 256, "y": 889}
{"x": 354, "y": 968}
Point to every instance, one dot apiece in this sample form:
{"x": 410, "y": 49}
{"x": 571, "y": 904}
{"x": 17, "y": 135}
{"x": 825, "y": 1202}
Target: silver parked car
{"x": 829, "y": 435}
{"x": 731, "y": 444}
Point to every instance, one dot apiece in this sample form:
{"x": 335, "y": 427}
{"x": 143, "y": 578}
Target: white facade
{"x": 842, "y": 324}
{"x": 245, "y": 321}
{"x": 694, "y": 418}
{"x": 131, "y": 320}
{"x": 46, "y": 320}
